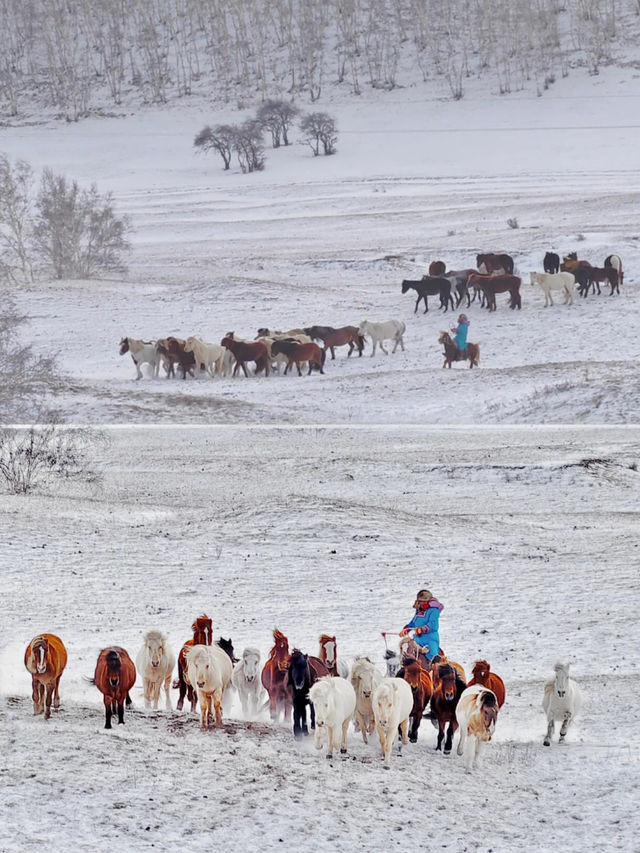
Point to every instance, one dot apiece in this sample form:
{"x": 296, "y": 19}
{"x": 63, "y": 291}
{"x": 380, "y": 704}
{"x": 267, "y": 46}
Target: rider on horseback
{"x": 425, "y": 623}
{"x": 461, "y": 331}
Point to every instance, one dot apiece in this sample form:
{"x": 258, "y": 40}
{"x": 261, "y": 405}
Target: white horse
{"x": 563, "y": 281}
{"x": 209, "y": 669}
{"x": 208, "y": 357}
{"x": 365, "y": 677}
{"x": 246, "y": 680}
{"x": 334, "y": 701}
{"x": 476, "y": 713}
{"x": 142, "y": 352}
{"x": 392, "y": 705}
{"x": 392, "y": 330}
{"x": 155, "y": 662}
{"x": 562, "y": 701}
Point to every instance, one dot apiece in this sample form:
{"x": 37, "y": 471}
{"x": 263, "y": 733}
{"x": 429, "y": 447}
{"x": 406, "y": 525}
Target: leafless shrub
{"x": 248, "y": 144}
{"x": 512, "y": 222}
{"x": 319, "y": 129}
{"x": 219, "y": 138}
{"x": 32, "y": 457}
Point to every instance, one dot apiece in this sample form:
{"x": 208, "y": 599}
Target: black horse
{"x": 227, "y": 646}
{"x": 430, "y": 285}
{"x": 551, "y": 263}
{"x": 304, "y": 671}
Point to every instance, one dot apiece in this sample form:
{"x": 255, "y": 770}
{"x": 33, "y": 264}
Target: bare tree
{"x": 219, "y": 138}
{"x": 319, "y": 129}
{"x": 277, "y": 117}
{"x": 248, "y": 143}
{"x": 76, "y": 231}
{"x": 16, "y": 219}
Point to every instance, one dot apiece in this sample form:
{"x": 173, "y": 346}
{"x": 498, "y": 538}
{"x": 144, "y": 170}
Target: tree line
{"x": 75, "y": 55}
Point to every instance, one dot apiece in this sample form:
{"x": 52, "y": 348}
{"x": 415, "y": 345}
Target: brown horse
{"x": 114, "y": 677}
{"x": 446, "y": 694}
{"x": 329, "y": 656}
{"x": 297, "y": 353}
{"x": 490, "y": 285}
{"x": 437, "y": 268}
{"x": 471, "y": 353}
{"x": 244, "y": 351}
{"x": 422, "y": 688}
{"x": 331, "y": 338}
{"x": 202, "y": 636}
{"x": 482, "y": 675}
{"x": 597, "y": 275}
{"x": 173, "y": 352}
{"x": 275, "y": 675}
{"x": 45, "y": 658}
{"x": 495, "y": 262}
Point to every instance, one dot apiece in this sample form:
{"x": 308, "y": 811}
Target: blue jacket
{"x": 461, "y": 335}
{"x": 428, "y": 621}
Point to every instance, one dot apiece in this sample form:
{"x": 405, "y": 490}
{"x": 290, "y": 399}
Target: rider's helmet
{"x": 422, "y": 599}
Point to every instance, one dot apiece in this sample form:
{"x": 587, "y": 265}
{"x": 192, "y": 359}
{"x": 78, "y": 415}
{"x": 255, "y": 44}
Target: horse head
{"x": 155, "y": 642}
{"x": 447, "y": 678}
{"x": 280, "y": 650}
{"x": 124, "y": 346}
{"x": 481, "y": 670}
{"x": 299, "y": 669}
{"x": 114, "y": 668}
{"x": 406, "y": 285}
{"x": 328, "y": 649}
{"x": 227, "y": 646}
{"x": 202, "y": 631}
{"x": 39, "y": 654}
{"x": 251, "y": 664}
{"x": 562, "y": 679}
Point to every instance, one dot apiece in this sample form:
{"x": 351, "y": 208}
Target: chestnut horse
{"x": 471, "y": 353}
{"x": 329, "y": 656}
{"x": 421, "y": 686}
{"x": 296, "y": 353}
{"x": 202, "y": 636}
{"x": 482, "y": 675}
{"x": 114, "y": 677}
{"x": 344, "y": 336}
{"x": 244, "y": 351}
{"x": 45, "y": 658}
{"x": 444, "y": 700}
{"x": 494, "y": 262}
{"x": 275, "y": 677}
{"x": 437, "y": 268}
{"x": 490, "y": 285}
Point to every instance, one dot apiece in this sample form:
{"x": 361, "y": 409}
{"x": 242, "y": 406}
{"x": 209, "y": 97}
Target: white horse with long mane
{"x": 142, "y": 352}
{"x": 334, "y": 701}
{"x": 246, "y": 680}
{"x": 561, "y": 281}
{"x": 391, "y": 330}
{"x": 155, "y": 662}
{"x": 562, "y": 701}
{"x": 209, "y": 669}
{"x": 365, "y": 677}
{"x": 476, "y": 713}
{"x": 392, "y": 706}
{"x": 209, "y": 357}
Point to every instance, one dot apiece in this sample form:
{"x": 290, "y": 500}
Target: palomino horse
{"x": 331, "y": 338}
{"x": 471, "y": 353}
{"x": 210, "y": 670}
{"x": 142, "y": 352}
{"x": 421, "y": 686}
{"x": 430, "y": 286}
{"x": 329, "y": 656}
{"x": 45, "y": 658}
{"x": 364, "y": 679}
{"x": 482, "y": 675}
{"x": 202, "y": 636}
{"x": 490, "y": 285}
{"x": 208, "y": 356}
{"x": 495, "y": 262}
{"x": 392, "y": 703}
{"x": 155, "y": 662}
{"x": 444, "y": 700}
{"x": 303, "y": 673}
{"x": 562, "y": 700}
{"x": 244, "y": 351}
{"x": 114, "y": 677}
{"x": 275, "y": 674}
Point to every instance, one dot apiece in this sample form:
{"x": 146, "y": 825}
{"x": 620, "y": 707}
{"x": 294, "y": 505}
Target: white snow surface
{"x": 328, "y": 240}
{"x": 527, "y": 535}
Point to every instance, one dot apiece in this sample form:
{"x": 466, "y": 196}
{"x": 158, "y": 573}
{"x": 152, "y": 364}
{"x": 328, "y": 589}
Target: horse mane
{"x": 481, "y": 664}
{"x": 201, "y": 622}
{"x": 278, "y": 635}
{"x": 325, "y": 638}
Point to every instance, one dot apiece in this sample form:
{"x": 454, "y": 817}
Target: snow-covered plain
{"x": 528, "y": 536}
{"x": 328, "y": 240}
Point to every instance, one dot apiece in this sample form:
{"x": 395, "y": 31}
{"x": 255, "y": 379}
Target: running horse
{"x": 275, "y": 675}
{"x": 419, "y": 680}
{"x": 444, "y": 700}
{"x": 202, "y": 636}
{"x": 114, "y": 677}
{"x": 304, "y": 670}
{"x": 482, "y": 675}
{"x": 329, "y": 656}
{"x": 331, "y": 338}
{"x": 45, "y": 658}
{"x": 471, "y": 353}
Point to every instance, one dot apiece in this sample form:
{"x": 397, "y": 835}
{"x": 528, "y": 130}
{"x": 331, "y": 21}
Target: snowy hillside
{"x": 528, "y": 538}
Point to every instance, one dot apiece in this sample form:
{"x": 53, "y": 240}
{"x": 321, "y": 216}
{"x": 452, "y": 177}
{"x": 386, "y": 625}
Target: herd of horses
{"x": 390, "y": 703}
{"x": 494, "y": 274}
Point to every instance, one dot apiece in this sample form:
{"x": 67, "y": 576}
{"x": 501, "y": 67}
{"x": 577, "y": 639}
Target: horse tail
{"x": 361, "y": 342}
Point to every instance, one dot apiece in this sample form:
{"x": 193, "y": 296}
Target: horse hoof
{"x": 329, "y": 755}
{"x": 413, "y": 739}
{"x": 447, "y": 752}
{"x": 547, "y": 742}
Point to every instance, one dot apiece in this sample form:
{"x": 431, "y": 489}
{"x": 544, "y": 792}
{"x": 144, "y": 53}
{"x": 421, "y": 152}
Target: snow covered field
{"x": 328, "y": 240}
{"x": 528, "y": 536}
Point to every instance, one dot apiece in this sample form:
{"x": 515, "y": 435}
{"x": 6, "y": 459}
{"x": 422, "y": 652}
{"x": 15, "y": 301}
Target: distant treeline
{"x": 77, "y": 55}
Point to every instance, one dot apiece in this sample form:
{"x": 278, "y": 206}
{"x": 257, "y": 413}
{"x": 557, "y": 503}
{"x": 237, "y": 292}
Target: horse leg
{"x": 440, "y": 735}
{"x": 312, "y": 714}
{"x": 217, "y": 706}
{"x": 108, "y": 710}
{"x": 299, "y": 371}
{"x": 565, "y": 722}
{"x": 167, "y": 687}
{"x": 461, "y": 742}
{"x": 48, "y": 695}
{"x": 550, "y": 730}
{"x": 449, "y": 741}
{"x": 121, "y": 712}
{"x": 386, "y": 352}
{"x": 56, "y": 694}
{"x": 343, "y": 742}
{"x": 35, "y": 695}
